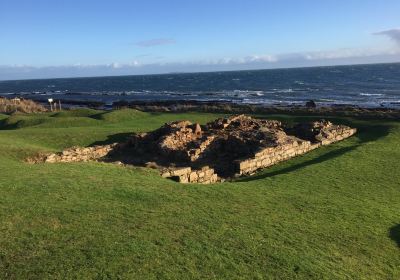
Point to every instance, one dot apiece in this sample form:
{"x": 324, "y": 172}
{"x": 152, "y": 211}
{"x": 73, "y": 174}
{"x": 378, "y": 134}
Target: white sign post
{"x": 51, "y": 103}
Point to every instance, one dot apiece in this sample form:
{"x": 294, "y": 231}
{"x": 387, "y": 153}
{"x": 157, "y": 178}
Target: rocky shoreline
{"x": 180, "y": 106}
{"x": 310, "y": 108}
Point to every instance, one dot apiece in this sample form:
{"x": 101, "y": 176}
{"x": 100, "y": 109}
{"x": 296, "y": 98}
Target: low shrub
{"x": 9, "y": 106}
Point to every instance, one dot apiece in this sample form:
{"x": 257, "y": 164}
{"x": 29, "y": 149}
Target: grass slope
{"x": 330, "y": 214}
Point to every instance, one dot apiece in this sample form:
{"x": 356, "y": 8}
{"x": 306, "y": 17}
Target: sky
{"x": 54, "y": 38}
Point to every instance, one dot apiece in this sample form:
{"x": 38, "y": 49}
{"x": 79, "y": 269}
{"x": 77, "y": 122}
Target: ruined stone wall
{"x": 338, "y": 135}
{"x": 80, "y": 154}
{"x": 272, "y": 155}
{"x": 205, "y": 175}
{"x": 231, "y": 147}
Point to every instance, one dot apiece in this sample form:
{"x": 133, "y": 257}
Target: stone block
{"x": 204, "y": 168}
{"x": 181, "y": 171}
{"x": 209, "y": 172}
{"x": 193, "y": 177}
{"x": 243, "y": 164}
{"x": 183, "y": 179}
{"x": 166, "y": 174}
{"x": 214, "y": 178}
{"x": 266, "y": 162}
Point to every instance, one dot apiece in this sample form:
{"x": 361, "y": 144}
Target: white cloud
{"x": 117, "y": 65}
{"x": 345, "y": 53}
{"x": 240, "y": 60}
{"x": 261, "y": 58}
{"x": 393, "y": 34}
{"x": 328, "y": 55}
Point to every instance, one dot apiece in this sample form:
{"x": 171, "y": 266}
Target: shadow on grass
{"x": 365, "y": 134}
{"x": 394, "y": 234}
{"x": 114, "y": 138}
{"x": 3, "y": 124}
{"x": 98, "y": 116}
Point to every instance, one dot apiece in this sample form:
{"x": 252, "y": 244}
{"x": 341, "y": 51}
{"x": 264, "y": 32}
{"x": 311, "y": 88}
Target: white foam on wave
{"x": 286, "y": 90}
{"x": 371, "y": 94}
{"x": 326, "y": 100}
{"x": 243, "y": 93}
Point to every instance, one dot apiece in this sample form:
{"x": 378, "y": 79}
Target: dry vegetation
{"x": 8, "y": 106}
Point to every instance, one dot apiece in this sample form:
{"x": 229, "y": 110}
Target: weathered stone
{"x": 181, "y": 171}
{"x": 193, "y": 177}
{"x": 209, "y": 172}
{"x": 183, "y": 179}
{"x": 166, "y": 174}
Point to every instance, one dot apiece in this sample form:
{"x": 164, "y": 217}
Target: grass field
{"x": 331, "y": 214}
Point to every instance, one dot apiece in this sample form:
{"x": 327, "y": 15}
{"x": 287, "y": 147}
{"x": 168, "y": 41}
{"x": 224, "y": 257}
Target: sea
{"x": 367, "y": 86}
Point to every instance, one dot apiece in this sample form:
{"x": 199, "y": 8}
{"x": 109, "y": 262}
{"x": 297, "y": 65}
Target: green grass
{"x": 331, "y": 214}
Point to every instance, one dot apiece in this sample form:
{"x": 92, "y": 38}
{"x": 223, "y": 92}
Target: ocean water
{"x": 375, "y": 85}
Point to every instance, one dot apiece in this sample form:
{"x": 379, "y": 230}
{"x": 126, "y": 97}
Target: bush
{"x": 9, "y": 106}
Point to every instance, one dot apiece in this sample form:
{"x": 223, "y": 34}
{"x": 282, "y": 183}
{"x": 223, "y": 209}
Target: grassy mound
{"x": 3, "y": 116}
{"x": 330, "y": 214}
{"x": 45, "y": 120}
{"x": 79, "y": 112}
{"x": 122, "y": 115}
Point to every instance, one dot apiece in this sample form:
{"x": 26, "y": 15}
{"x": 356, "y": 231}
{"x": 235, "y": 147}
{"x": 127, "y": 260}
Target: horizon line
{"x": 201, "y": 72}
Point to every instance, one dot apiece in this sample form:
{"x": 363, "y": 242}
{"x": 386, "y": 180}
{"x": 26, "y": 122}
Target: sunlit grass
{"x": 330, "y": 214}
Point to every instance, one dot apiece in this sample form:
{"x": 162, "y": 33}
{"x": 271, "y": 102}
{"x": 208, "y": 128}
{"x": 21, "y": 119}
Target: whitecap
{"x": 371, "y": 94}
{"x": 287, "y": 90}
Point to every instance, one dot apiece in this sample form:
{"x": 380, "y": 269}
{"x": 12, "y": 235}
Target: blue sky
{"x": 43, "y": 38}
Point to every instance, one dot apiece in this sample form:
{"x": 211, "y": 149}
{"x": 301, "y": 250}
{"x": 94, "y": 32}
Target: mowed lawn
{"x": 333, "y": 213}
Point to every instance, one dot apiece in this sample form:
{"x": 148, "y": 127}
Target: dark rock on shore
{"x": 236, "y": 108}
{"x": 311, "y": 104}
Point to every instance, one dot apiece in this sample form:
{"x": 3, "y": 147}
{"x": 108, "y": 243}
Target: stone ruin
{"x": 222, "y": 149}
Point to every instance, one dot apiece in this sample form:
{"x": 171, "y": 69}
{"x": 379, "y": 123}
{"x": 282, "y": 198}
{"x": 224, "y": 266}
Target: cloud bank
{"x": 306, "y": 59}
